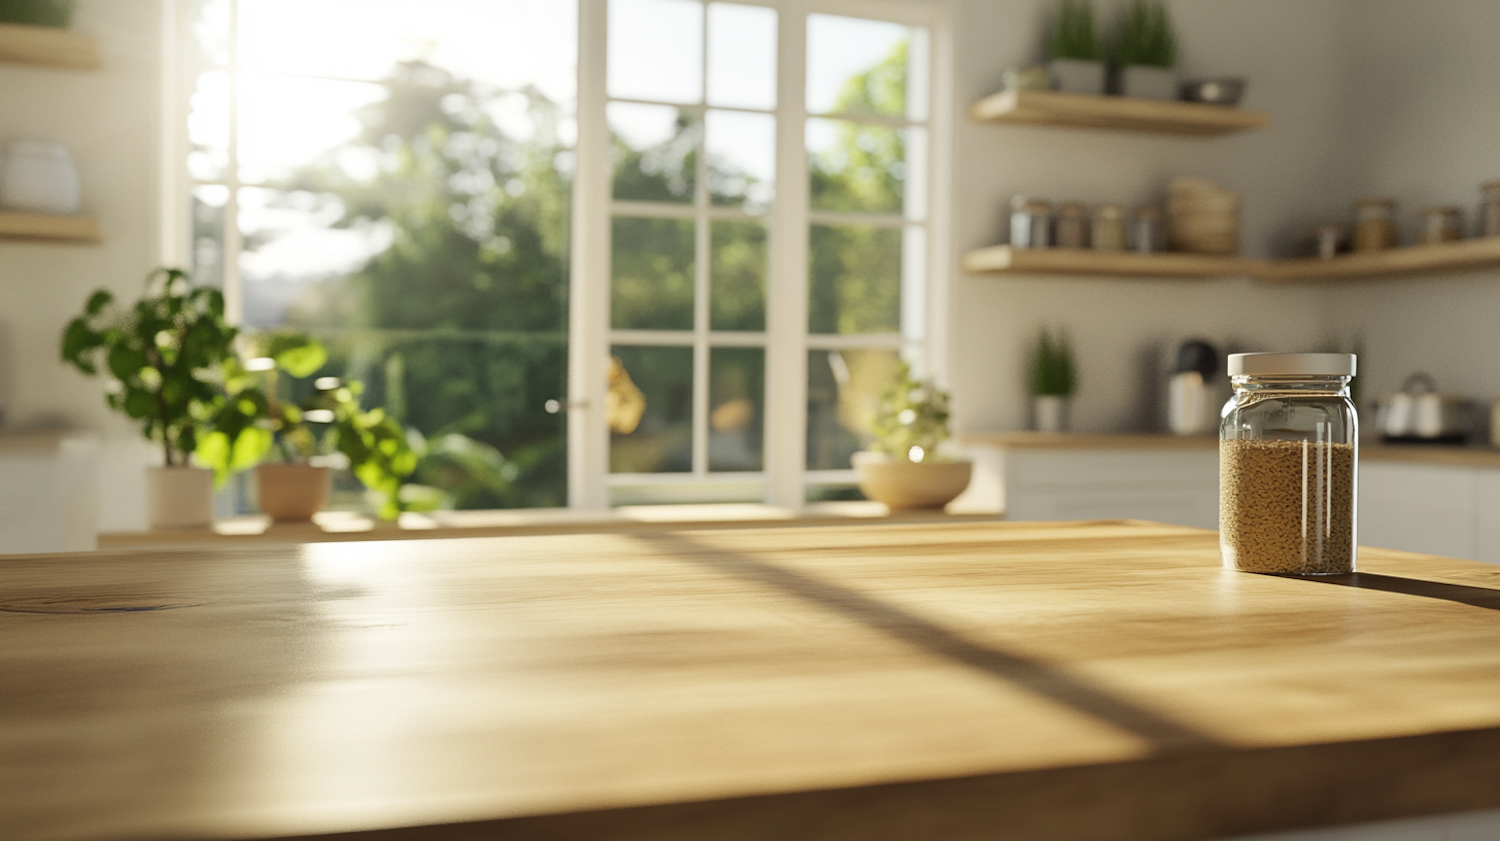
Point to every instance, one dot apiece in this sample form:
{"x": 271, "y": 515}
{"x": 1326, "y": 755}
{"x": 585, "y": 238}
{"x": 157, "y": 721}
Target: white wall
{"x": 1425, "y": 130}
{"x": 110, "y": 120}
{"x": 1294, "y": 54}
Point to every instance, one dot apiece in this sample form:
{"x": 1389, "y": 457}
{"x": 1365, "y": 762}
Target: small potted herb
{"x": 903, "y": 467}
{"x": 1145, "y": 52}
{"x": 1052, "y": 381}
{"x": 1075, "y": 51}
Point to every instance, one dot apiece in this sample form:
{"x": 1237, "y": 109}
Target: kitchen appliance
{"x": 1190, "y": 402}
{"x": 1420, "y": 413}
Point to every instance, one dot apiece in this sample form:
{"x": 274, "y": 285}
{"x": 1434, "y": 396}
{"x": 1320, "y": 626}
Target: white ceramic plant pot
{"x": 180, "y": 497}
{"x": 1075, "y": 75}
{"x": 292, "y": 493}
{"x": 906, "y": 485}
{"x": 1148, "y": 82}
{"x": 1049, "y": 413}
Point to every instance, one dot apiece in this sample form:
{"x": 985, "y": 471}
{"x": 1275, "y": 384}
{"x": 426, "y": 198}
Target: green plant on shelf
{"x": 1145, "y": 37}
{"x": 913, "y": 419}
{"x": 1073, "y": 34}
{"x": 1052, "y": 365}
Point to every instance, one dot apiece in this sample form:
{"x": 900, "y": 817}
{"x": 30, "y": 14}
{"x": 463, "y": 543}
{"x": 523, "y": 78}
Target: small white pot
{"x": 1075, "y": 75}
{"x": 1148, "y": 82}
{"x": 180, "y": 497}
{"x": 906, "y": 485}
{"x": 39, "y": 176}
{"x": 1049, "y": 413}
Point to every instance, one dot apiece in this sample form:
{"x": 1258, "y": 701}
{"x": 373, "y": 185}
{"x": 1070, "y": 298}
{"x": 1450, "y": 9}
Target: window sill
{"x": 341, "y": 525}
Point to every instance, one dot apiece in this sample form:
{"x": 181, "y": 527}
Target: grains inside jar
{"x": 1287, "y": 506}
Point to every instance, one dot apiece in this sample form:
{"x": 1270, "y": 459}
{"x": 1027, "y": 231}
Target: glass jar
{"x": 1108, "y": 233}
{"x": 1374, "y": 224}
{"x": 1070, "y": 227}
{"x": 1441, "y": 224}
{"x": 1030, "y": 223}
{"x": 1288, "y": 454}
{"x": 1489, "y": 210}
{"x": 1145, "y": 229}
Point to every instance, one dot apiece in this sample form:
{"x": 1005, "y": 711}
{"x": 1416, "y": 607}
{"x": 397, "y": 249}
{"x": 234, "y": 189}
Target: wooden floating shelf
{"x": 47, "y": 47}
{"x": 1416, "y": 260}
{"x": 1003, "y": 259}
{"x": 44, "y": 227}
{"x": 1119, "y": 113}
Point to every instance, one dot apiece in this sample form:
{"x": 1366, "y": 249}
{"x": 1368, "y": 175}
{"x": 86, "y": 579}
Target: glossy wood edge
{"x": 1119, "y": 113}
{"x": 47, "y": 47}
{"x": 1395, "y": 262}
{"x": 44, "y": 227}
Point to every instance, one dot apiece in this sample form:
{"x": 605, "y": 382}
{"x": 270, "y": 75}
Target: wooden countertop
{"x": 1103, "y": 680}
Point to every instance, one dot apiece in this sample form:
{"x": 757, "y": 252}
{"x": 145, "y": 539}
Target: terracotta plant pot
{"x": 292, "y": 493}
{"x": 180, "y": 497}
{"x": 905, "y": 485}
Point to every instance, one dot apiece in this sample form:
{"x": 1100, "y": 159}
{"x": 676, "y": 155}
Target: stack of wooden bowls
{"x": 1202, "y": 217}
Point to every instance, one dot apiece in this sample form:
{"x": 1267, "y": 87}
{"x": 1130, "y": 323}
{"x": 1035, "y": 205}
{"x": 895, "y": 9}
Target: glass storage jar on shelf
{"x": 1108, "y": 230}
{"x": 1288, "y": 456}
{"x": 1374, "y": 224}
{"x": 1071, "y": 226}
{"x": 1030, "y": 223}
{"x": 1440, "y": 224}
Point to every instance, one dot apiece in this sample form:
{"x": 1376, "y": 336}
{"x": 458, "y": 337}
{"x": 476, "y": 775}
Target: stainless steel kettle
{"x": 1418, "y": 412}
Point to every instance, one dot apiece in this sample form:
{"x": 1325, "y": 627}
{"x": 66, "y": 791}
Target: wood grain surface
{"x": 1004, "y": 259}
{"x": 1103, "y": 680}
{"x": 1117, "y": 113}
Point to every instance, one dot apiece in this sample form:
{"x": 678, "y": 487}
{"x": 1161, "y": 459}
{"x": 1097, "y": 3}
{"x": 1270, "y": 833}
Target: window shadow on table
{"x": 1458, "y": 593}
{"x": 903, "y": 625}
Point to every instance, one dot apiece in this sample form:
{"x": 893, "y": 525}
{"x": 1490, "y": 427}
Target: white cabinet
{"x": 48, "y": 492}
{"x": 1430, "y": 508}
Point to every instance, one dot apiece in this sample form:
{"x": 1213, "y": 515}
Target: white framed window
{"x": 752, "y": 241}
{"x": 477, "y": 203}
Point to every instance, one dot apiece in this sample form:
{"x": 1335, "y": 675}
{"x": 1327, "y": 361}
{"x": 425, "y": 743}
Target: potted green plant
{"x": 903, "y": 467}
{"x": 1145, "y": 52}
{"x": 290, "y": 485}
{"x": 1052, "y": 381}
{"x": 163, "y": 359}
{"x": 1075, "y": 51}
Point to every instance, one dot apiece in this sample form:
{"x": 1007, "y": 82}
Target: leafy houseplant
{"x": 1053, "y": 379}
{"x": 1145, "y": 51}
{"x": 329, "y": 420}
{"x": 164, "y": 359}
{"x": 1075, "y": 50}
{"x": 903, "y": 468}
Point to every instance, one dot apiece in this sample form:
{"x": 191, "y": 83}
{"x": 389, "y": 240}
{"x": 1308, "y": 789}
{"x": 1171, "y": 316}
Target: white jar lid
{"x": 1316, "y": 364}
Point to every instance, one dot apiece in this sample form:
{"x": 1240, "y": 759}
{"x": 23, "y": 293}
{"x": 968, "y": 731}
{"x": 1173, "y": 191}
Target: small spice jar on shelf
{"x": 1288, "y": 448}
{"x": 1489, "y": 210}
{"x": 1374, "y": 224}
{"x": 1441, "y": 223}
{"x": 1030, "y": 223}
{"x": 1145, "y": 229}
{"x": 1108, "y": 230}
{"x": 1071, "y": 226}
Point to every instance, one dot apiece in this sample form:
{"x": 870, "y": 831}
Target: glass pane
{"x": 505, "y": 43}
{"x": 478, "y": 401}
{"x": 655, "y": 152}
{"x": 651, "y": 274}
{"x": 662, "y": 442}
{"x": 844, "y": 388}
{"x": 737, "y": 276}
{"x": 741, "y": 152}
{"x": 741, "y": 56}
{"x": 855, "y": 279}
{"x": 656, "y": 50}
{"x": 856, "y": 168}
{"x": 736, "y": 400}
{"x": 291, "y": 250}
{"x": 210, "y": 26}
{"x": 325, "y": 114}
{"x": 208, "y": 205}
{"x": 208, "y": 126}
{"x": 856, "y": 66}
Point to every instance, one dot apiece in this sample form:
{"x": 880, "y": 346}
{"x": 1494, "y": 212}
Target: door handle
{"x": 555, "y": 406}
